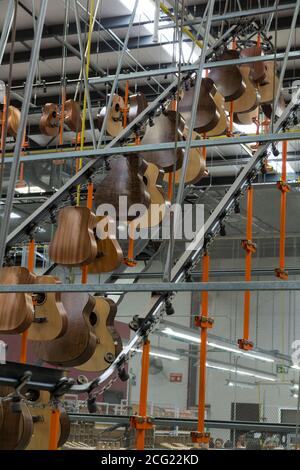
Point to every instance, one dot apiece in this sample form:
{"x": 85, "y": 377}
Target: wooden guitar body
{"x": 125, "y": 178}
{"x": 228, "y": 79}
{"x": 49, "y": 122}
{"x": 13, "y": 121}
{"x": 257, "y": 69}
{"x": 250, "y": 99}
{"x": 72, "y": 116}
{"x": 154, "y": 177}
{"x": 17, "y": 425}
{"x": 114, "y": 122}
{"x": 16, "y": 309}
{"x": 65, "y": 426}
{"x": 221, "y": 127}
{"x": 137, "y": 104}
{"x": 165, "y": 130}
{"x": 50, "y": 318}
{"x": 207, "y": 113}
{"x": 74, "y": 242}
{"x": 109, "y": 253}
{"x": 269, "y": 88}
{"x": 78, "y": 344}
{"x": 109, "y": 343}
{"x": 196, "y": 168}
{"x": 245, "y": 119}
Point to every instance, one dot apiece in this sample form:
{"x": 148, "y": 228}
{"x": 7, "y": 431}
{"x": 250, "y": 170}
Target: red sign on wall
{"x": 175, "y": 377}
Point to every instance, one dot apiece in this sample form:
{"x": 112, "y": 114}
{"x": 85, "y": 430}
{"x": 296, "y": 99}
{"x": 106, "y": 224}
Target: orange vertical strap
{"x": 89, "y": 204}
{"x": 259, "y": 40}
{"x": 203, "y": 347}
{"x": 125, "y": 110}
{"x": 24, "y": 335}
{"x": 54, "y": 429}
{"x": 284, "y": 188}
{"x": 140, "y": 438}
{"x": 248, "y": 264}
{"x": 170, "y": 185}
{"x": 231, "y": 118}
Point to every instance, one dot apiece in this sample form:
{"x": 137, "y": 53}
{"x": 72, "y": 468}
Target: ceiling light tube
{"x": 240, "y": 371}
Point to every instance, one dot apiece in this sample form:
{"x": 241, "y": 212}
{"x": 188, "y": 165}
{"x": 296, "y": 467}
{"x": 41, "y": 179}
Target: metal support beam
{"x": 20, "y": 136}
{"x": 6, "y": 27}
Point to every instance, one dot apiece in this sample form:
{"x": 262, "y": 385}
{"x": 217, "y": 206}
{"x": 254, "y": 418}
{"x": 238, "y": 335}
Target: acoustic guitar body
{"x": 73, "y": 115}
{"x": 13, "y": 121}
{"x": 16, "y": 309}
{"x": 207, "y": 113}
{"x": 17, "y": 425}
{"x": 245, "y": 119}
{"x": 49, "y": 122}
{"x": 154, "y": 177}
{"x": 165, "y": 130}
{"x": 125, "y": 178}
{"x": 74, "y": 242}
{"x": 221, "y": 127}
{"x": 50, "y": 318}
{"x": 269, "y": 88}
{"x": 65, "y": 426}
{"x": 109, "y": 253}
{"x": 228, "y": 79}
{"x": 109, "y": 343}
{"x": 137, "y": 104}
{"x": 78, "y": 344}
{"x": 250, "y": 99}
{"x": 114, "y": 123}
{"x": 196, "y": 168}
{"x": 257, "y": 69}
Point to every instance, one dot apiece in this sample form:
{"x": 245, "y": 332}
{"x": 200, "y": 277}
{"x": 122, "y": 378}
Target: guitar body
{"x": 109, "y": 343}
{"x": 78, "y": 344}
{"x": 228, "y": 79}
{"x": 13, "y": 121}
{"x": 114, "y": 122}
{"x": 65, "y": 426}
{"x": 269, "y": 88}
{"x": 221, "y": 127}
{"x": 207, "y": 113}
{"x": 16, "y": 309}
{"x": 109, "y": 253}
{"x": 250, "y": 99}
{"x": 154, "y": 177}
{"x": 72, "y": 116}
{"x": 74, "y": 242}
{"x": 50, "y": 310}
{"x": 245, "y": 119}
{"x": 165, "y": 130}
{"x": 137, "y": 104}
{"x": 257, "y": 69}
{"x": 49, "y": 122}
{"x": 17, "y": 425}
{"x": 125, "y": 178}
{"x": 196, "y": 168}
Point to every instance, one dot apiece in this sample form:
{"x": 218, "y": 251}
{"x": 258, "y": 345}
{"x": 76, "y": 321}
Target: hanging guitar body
{"x": 270, "y": 86}
{"x": 50, "y": 318}
{"x": 78, "y": 344}
{"x": 125, "y": 178}
{"x": 73, "y": 115}
{"x": 165, "y": 130}
{"x": 246, "y": 119}
{"x": 222, "y": 126}
{"x": 13, "y": 121}
{"x": 109, "y": 343}
{"x": 49, "y": 122}
{"x": 16, "y": 309}
{"x": 257, "y": 69}
{"x": 109, "y": 253}
{"x": 65, "y": 426}
{"x": 153, "y": 177}
{"x": 207, "y": 113}
{"x": 114, "y": 122}
{"x": 250, "y": 99}
{"x": 228, "y": 79}
{"x": 74, "y": 242}
{"x": 17, "y": 425}
{"x": 137, "y": 104}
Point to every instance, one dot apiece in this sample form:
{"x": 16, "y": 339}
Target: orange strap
{"x": 54, "y": 429}
{"x": 170, "y": 185}
{"x": 248, "y": 264}
{"x": 284, "y": 189}
{"x": 140, "y": 437}
{"x": 89, "y": 204}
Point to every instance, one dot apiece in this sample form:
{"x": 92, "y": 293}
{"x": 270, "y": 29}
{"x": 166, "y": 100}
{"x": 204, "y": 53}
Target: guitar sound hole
{"x": 93, "y": 318}
{"x": 40, "y": 298}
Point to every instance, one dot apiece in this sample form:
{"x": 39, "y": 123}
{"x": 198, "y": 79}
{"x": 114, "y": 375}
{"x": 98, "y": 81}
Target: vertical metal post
{"x": 191, "y": 127}
{"x": 6, "y": 27}
{"x": 270, "y": 19}
{"x": 85, "y": 79}
{"x": 156, "y": 21}
{"x": 19, "y": 140}
{"x": 120, "y": 63}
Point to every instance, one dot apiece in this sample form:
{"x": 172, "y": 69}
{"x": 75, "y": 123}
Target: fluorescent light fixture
{"x": 235, "y": 383}
{"x": 295, "y": 395}
{"x": 30, "y": 189}
{"x": 223, "y": 347}
{"x": 240, "y": 371}
{"x": 163, "y": 355}
{"x": 295, "y": 367}
{"x": 13, "y": 215}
